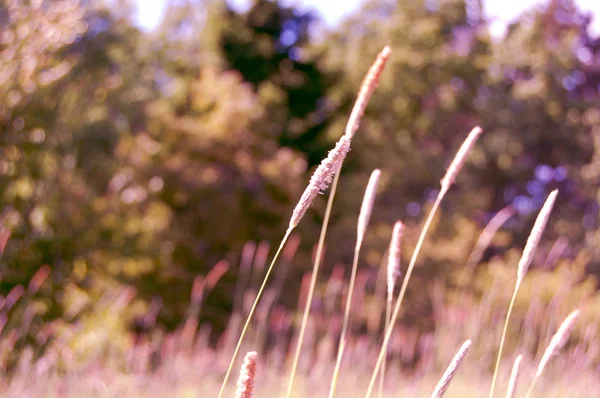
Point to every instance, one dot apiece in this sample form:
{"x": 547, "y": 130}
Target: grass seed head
{"x": 460, "y": 158}
{"x": 367, "y": 204}
{"x": 245, "y": 383}
{"x": 536, "y": 234}
{"x": 321, "y": 179}
{"x": 444, "y": 383}
{"x": 366, "y": 90}
{"x": 514, "y": 377}
{"x": 558, "y": 340}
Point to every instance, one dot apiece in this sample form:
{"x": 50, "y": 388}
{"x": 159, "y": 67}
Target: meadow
{"x": 251, "y": 203}
{"x": 347, "y": 325}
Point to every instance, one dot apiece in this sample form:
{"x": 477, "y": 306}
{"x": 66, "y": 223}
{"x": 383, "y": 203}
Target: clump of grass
{"x": 444, "y": 382}
{"x": 558, "y": 341}
{"x": 524, "y": 263}
{"x": 363, "y": 220}
{"x": 368, "y": 86}
{"x": 446, "y": 182}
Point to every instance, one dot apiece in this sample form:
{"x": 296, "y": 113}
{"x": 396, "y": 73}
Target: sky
{"x": 332, "y": 11}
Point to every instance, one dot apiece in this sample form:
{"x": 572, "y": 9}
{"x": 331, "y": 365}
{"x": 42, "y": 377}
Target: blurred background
{"x": 143, "y": 142}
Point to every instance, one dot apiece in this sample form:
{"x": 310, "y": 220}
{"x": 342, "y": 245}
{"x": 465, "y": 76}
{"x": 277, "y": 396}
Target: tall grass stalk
{"x": 363, "y": 221}
{"x": 251, "y": 313}
{"x": 393, "y": 271}
{"x": 444, "y": 382}
{"x": 446, "y": 182}
{"x": 514, "y": 378}
{"x": 558, "y": 341}
{"x": 368, "y": 86}
{"x": 524, "y": 263}
{"x": 313, "y": 281}
{"x": 319, "y": 182}
{"x": 336, "y": 369}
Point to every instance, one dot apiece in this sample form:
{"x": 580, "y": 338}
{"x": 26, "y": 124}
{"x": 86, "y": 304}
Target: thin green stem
{"x": 510, "y": 308}
{"x": 409, "y": 271}
{"x": 346, "y": 315}
{"x": 254, "y": 305}
{"x": 313, "y": 280}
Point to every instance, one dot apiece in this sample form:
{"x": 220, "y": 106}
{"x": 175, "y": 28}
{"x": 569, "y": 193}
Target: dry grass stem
{"x": 487, "y": 234}
{"x": 245, "y": 383}
{"x": 393, "y": 265}
{"x": 444, "y": 383}
{"x": 336, "y": 369}
{"x": 393, "y": 272}
{"x": 556, "y": 344}
{"x": 252, "y": 311}
{"x": 524, "y": 262}
{"x": 456, "y": 165}
{"x": 514, "y": 378}
{"x": 460, "y": 158}
{"x": 363, "y": 221}
{"x": 364, "y": 94}
{"x": 558, "y": 340}
{"x": 367, "y": 204}
{"x": 366, "y": 90}
{"x": 321, "y": 179}
{"x": 535, "y": 235}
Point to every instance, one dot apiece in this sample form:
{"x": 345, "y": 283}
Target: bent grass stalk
{"x": 251, "y": 313}
{"x": 444, "y": 382}
{"x": 524, "y": 263}
{"x": 558, "y": 341}
{"x": 319, "y": 182}
{"x": 446, "y": 182}
{"x": 313, "y": 281}
{"x": 336, "y": 370}
{"x": 514, "y": 378}
{"x": 367, "y": 87}
{"x": 363, "y": 221}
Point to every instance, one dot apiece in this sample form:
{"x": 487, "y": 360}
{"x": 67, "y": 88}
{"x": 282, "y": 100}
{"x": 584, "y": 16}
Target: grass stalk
{"x": 444, "y": 382}
{"x": 514, "y": 378}
{"x": 336, "y": 370}
{"x": 252, "y": 310}
{"x": 366, "y": 90}
{"x": 558, "y": 341}
{"x": 447, "y": 181}
{"x": 526, "y": 258}
{"x": 503, "y": 338}
{"x": 313, "y": 282}
{"x": 388, "y": 313}
{"x": 393, "y": 271}
{"x": 338, "y": 360}
{"x": 363, "y": 221}
{"x": 409, "y": 271}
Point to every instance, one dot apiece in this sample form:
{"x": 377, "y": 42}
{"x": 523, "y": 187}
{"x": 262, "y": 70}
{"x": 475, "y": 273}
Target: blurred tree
{"x": 142, "y": 159}
{"x": 268, "y": 46}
